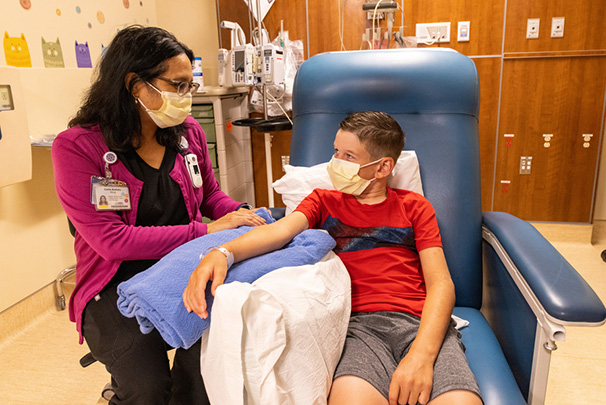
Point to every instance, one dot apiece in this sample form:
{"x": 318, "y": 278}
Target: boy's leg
{"x": 351, "y": 390}
{"x": 459, "y": 397}
{"x": 453, "y": 381}
{"x": 367, "y": 362}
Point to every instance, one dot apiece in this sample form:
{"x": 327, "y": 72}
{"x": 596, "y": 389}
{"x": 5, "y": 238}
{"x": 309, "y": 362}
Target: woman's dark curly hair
{"x": 110, "y": 104}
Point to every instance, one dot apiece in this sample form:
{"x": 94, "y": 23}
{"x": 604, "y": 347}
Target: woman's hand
{"x": 212, "y": 267}
{"x": 235, "y": 219}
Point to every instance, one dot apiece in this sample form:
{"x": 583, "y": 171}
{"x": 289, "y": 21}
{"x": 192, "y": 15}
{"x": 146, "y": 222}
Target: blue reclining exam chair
{"x": 513, "y": 287}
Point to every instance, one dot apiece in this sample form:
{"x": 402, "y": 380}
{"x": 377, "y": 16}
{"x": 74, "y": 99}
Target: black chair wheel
{"x": 108, "y": 392}
{"x": 603, "y": 255}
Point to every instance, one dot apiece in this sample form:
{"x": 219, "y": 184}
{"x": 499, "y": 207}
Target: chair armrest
{"x": 565, "y": 296}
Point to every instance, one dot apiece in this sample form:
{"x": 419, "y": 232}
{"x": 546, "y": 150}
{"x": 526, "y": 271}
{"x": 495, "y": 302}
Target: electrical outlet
{"x": 532, "y": 28}
{"x": 557, "y": 27}
{"x": 433, "y": 32}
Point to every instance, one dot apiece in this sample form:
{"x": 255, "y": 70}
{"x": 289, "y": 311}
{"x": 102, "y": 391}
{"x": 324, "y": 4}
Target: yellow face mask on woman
{"x": 174, "y": 110}
{"x": 345, "y": 178}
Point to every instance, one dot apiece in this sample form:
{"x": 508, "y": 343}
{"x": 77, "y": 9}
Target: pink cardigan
{"x": 104, "y": 239}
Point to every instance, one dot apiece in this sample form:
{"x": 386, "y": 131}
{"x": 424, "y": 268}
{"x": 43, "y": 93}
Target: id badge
{"x": 109, "y": 194}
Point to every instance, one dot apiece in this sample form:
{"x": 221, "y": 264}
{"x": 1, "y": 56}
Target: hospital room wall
{"x": 194, "y": 22}
{"x": 567, "y": 99}
{"x": 35, "y": 243}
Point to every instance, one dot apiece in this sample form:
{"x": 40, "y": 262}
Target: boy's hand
{"x": 212, "y": 267}
{"x": 411, "y": 382}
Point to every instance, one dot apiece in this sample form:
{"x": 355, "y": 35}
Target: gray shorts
{"x": 377, "y": 341}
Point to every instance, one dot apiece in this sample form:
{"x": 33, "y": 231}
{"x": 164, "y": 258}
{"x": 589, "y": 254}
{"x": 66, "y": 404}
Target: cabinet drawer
{"x": 202, "y": 111}
{"x": 209, "y": 129}
{"x": 212, "y": 151}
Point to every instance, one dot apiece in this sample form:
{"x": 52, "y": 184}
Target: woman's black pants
{"x": 138, "y": 363}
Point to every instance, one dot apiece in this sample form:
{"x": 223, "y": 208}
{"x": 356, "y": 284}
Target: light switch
{"x": 463, "y": 31}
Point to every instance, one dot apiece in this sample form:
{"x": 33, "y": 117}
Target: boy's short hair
{"x": 380, "y": 134}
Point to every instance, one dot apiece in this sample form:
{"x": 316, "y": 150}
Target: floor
{"x": 40, "y": 362}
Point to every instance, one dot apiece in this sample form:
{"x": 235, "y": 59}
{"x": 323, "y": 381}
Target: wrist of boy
{"x": 229, "y": 256}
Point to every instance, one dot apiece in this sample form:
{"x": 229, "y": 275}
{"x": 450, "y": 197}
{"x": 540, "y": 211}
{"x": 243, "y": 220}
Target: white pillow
{"x": 300, "y": 181}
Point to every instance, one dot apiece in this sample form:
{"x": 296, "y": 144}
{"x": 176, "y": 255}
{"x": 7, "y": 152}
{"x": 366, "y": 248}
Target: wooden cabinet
{"x": 549, "y": 106}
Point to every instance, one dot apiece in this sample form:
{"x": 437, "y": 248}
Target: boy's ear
{"x": 385, "y": 168}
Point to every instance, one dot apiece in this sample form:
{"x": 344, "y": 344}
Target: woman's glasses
{"x": 182, "y": 88}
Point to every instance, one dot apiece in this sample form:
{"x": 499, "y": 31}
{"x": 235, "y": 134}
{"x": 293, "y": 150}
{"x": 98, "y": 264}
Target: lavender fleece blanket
{"x": 154, "y": 296}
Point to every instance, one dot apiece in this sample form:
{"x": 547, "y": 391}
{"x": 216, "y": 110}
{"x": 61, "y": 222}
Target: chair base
{"x": 60, "y": 280}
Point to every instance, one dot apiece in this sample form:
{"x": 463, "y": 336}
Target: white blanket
{"x": 279, "y": 339}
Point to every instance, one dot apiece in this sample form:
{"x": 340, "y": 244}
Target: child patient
{"x": 401, "y": 346}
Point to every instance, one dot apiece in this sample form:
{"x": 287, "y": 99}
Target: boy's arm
{"x": 260, "y": 240}
{"x": 413, "y": 379}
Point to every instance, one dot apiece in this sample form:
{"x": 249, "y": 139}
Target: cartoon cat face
{"x": 52, "y": 54}
{"x": 16, "y": 51}
{"x": 83, "y": 55}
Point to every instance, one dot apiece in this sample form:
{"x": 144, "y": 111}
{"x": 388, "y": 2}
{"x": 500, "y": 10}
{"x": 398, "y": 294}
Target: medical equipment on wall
{"x": 243, "y": 65}
{"x": 237, "y": 38}
{"x": 261, "y": 65}
{"x": 382, "y": 36}
{"x": 224, "y": 57}
{"x": 278, "y": 90}
{"x": 272, "y": 64}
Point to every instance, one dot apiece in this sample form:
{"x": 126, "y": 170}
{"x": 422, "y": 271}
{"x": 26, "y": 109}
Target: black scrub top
{"x": 161, "y": 203}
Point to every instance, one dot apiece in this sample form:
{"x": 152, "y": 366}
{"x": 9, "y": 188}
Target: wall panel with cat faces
{"x": 65, "y": 33}
{"x": 48, "y": 51}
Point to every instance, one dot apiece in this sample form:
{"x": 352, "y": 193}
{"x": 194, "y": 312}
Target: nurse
{"x": 133, "y": 142}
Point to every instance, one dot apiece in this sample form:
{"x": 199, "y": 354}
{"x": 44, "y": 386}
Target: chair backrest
{"x": 434, "y": 96}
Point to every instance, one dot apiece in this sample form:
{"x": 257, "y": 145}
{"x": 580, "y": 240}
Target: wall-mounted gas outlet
{"x": 532, "y": 28}
{"x": 433, "y": 32}
{"x": 557, "y": 27}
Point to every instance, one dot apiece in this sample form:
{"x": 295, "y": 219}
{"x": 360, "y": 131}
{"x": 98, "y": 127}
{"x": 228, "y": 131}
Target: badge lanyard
{"x": 108, "y": 194}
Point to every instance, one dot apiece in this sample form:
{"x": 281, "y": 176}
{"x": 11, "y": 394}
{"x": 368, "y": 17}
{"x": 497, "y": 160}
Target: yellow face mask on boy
{"x": 345, "y": 178}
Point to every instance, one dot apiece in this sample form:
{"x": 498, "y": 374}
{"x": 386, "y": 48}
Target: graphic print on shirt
{"x": 351, "y": 238}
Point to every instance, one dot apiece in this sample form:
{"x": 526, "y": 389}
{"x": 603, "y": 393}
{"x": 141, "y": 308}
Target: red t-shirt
{"x": 379, "y": 245}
